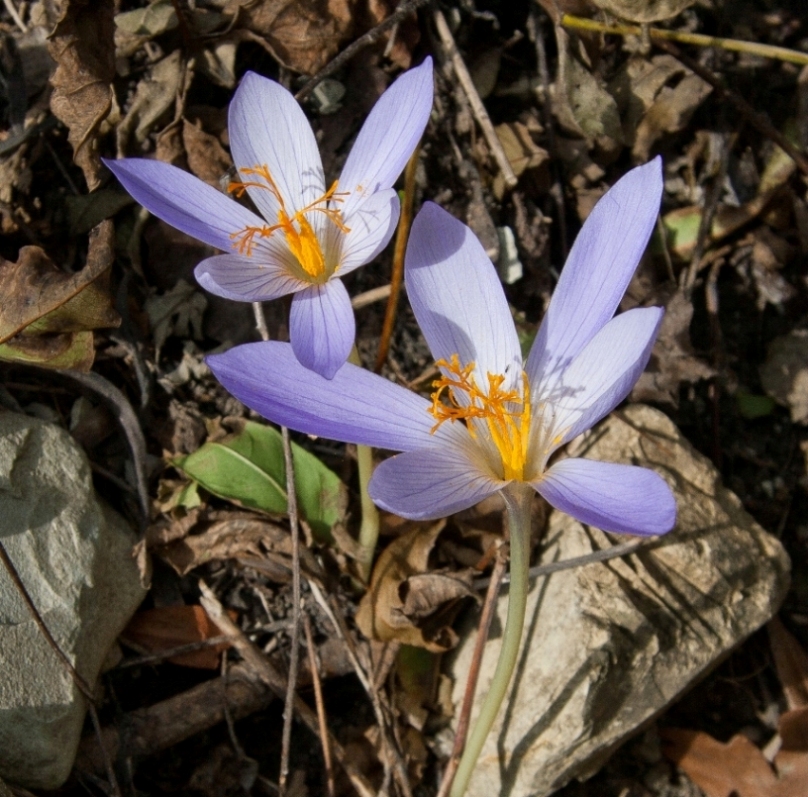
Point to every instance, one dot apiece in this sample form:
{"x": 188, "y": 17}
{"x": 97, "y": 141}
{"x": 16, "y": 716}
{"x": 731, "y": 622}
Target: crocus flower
{"x": 310, "y": 235}
{"x": 493, "y": 418}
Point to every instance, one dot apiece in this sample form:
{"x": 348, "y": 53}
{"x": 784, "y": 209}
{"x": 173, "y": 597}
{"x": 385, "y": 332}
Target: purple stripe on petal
{"x": 431, "y": 483}
{"x": 356, "y": 406}
{"x": 598, "y": 270}
{"x": 612, "y": 497}
{"x": 183, "y": 201}
{"x": 390, "y": 134}
{"x": 322, "y": 327}
{"x": 372, "y": 225}
{"x": 457, "y": 297}
{"x": 602, "y": 375}
{"x": 245, "y": 279}
{"x": 268, "y": 127}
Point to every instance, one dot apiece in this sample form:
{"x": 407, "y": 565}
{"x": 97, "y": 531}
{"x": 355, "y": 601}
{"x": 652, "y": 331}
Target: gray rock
{"x": 74, "y": 556}
{"x": 608, "y": 646}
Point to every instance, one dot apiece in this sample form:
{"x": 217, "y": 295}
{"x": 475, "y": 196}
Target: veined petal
{"x": 246, "y": 279}
{"x": 372, "y": 225}
{"x": 322, "y": 327}
{"x": 457, "y": 297}
{"x": 620, "y": 498}
{"x": 356, "y": 406}
{"x": 602, "y": 375}
{"x": 431, "y": 483}
{"x": 598, "y": 270}
{"x": 183, "y": 201}
{"x": 268, "y": 128}
{"x": 390, "y": 134}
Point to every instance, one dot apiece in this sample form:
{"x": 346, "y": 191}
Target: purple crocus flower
{"x": 493, "y": 419}
{"x": 310, "y": 235}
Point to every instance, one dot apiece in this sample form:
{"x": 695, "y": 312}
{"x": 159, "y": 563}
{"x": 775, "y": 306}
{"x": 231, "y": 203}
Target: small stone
{"x": 74, "y": 556}
{"x": 610, "y": 645}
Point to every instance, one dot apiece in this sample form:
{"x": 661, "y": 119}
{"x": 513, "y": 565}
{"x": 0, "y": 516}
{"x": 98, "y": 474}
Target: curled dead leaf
{"x": 405, "y": 603}
{"x": 643, "y": 10}
{"x": 82, "y": 44}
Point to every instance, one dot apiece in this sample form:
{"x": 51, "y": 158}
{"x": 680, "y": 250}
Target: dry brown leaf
{"x": 521, "y": 151}
{"x": 736, "y": 768}
{"x": 303, "y": 35}
{"x": 785, "y": 373}
{"x": 82, "y": 44}
{"x": 791, "y": 760}
{"x": 405, "y": 603}
{"x": 673, "y": 360}
{"x": 791, "y": 662}
{"x": 207, "y": 158}
{"x": 168, "y": 627}
{"x": 643, "y": 10}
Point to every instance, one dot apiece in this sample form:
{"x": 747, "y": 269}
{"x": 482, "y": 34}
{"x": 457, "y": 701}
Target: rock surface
{"x": 609, "y": 645}
{"x": 74, "y": 556}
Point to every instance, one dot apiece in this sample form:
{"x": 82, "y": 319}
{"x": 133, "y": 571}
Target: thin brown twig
{"x": 464, "y": 718}
{"x": 318, "y": 701}
{"x": 757, "y": 120}
{"x": 464, "y": 78}
{"x": 264, "y": 670}
{"x": 404, "y": 10}
{"x": 78, "y": 680}
{"x": 294, "y": 657}
{"x": 397, "y": 276}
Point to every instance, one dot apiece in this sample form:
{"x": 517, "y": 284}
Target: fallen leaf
{"x": 406, "y": 603}
{"x": 784, "y": 375}
{"x": 643, "y": 10}
{"x": 791, "y": 662}
{"x": 673, "y": 360}
{"x": 168, "y": 627}
{"x": 734, "y": 769}
{"x": 177, "y": 312}
{"x": 303, "y": 35}
{"x": 82, "y": 44}
{"x": 207, "y": 158}
{"x": 156, "y": 18}
{"x": 522, "y": 153}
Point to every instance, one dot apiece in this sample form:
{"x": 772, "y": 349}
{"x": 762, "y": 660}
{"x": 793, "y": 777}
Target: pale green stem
{"x": 518, "y": 498}
{"x": 369, "y": 527}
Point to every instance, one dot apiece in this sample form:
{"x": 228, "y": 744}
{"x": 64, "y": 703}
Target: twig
{"x": 318, "y": 700}
{"x": 757, "y": 120}
{"x": 464, "y": 718}
{"x": 78, "y": 680}
{"x": 179, "y": 650}
{"x": 294, "y": 656}
{"x": 404, "y": 10}
{"x": 683, "y": 37}
{"x": 464, "y": 78}
{"x": 397, "y": 276}
{"x": 294, "y": 529}
{"x": 371, "y": 296}
{"x": 624, "y": 549}
{"x": 12, "y": 12}
{"x": 264, "y": 670}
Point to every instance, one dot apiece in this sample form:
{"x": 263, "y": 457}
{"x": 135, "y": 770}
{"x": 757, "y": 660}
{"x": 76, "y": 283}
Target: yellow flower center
{"x": 300, "y": 237}
{"x": 506, "y": 413}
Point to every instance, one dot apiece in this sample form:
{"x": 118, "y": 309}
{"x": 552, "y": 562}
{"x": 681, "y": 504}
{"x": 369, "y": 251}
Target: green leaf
{"x": 248, "y": 468}
{"x": 751, "y": 406}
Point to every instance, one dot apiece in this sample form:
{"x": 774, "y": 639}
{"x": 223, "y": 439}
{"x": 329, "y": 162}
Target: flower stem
{"x": 518, "y": 499}
{"x": 369, "y": 527}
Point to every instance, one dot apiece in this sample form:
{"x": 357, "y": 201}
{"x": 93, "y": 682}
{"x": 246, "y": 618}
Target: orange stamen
{"x": 302, "y": 240}
{"x": 505, "y": 412}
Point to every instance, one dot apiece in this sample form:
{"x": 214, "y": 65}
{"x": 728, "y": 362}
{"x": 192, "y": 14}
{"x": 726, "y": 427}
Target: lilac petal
{"x": 389, "y": 136}
{"x": 602, "y": 375}
{"x": 322, "y": 327}
{"x": 356, "y": 406}
{"x": 620, "y": 498}
{"x": 268, "y": 128}
{"x": 246, "y": 279}
{"x": 457, "y": 297}
{"x": 598, "y": 269}
{"x": 431, "y": 483}
{"x": 372, "y": 225}
{"x": 183, "y": 201}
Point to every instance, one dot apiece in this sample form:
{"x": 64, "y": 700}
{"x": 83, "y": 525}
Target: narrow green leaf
{"x": 248, "y": 468}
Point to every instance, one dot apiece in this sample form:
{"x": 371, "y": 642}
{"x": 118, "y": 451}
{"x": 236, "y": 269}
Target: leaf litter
{"x": 573, "y": 112}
